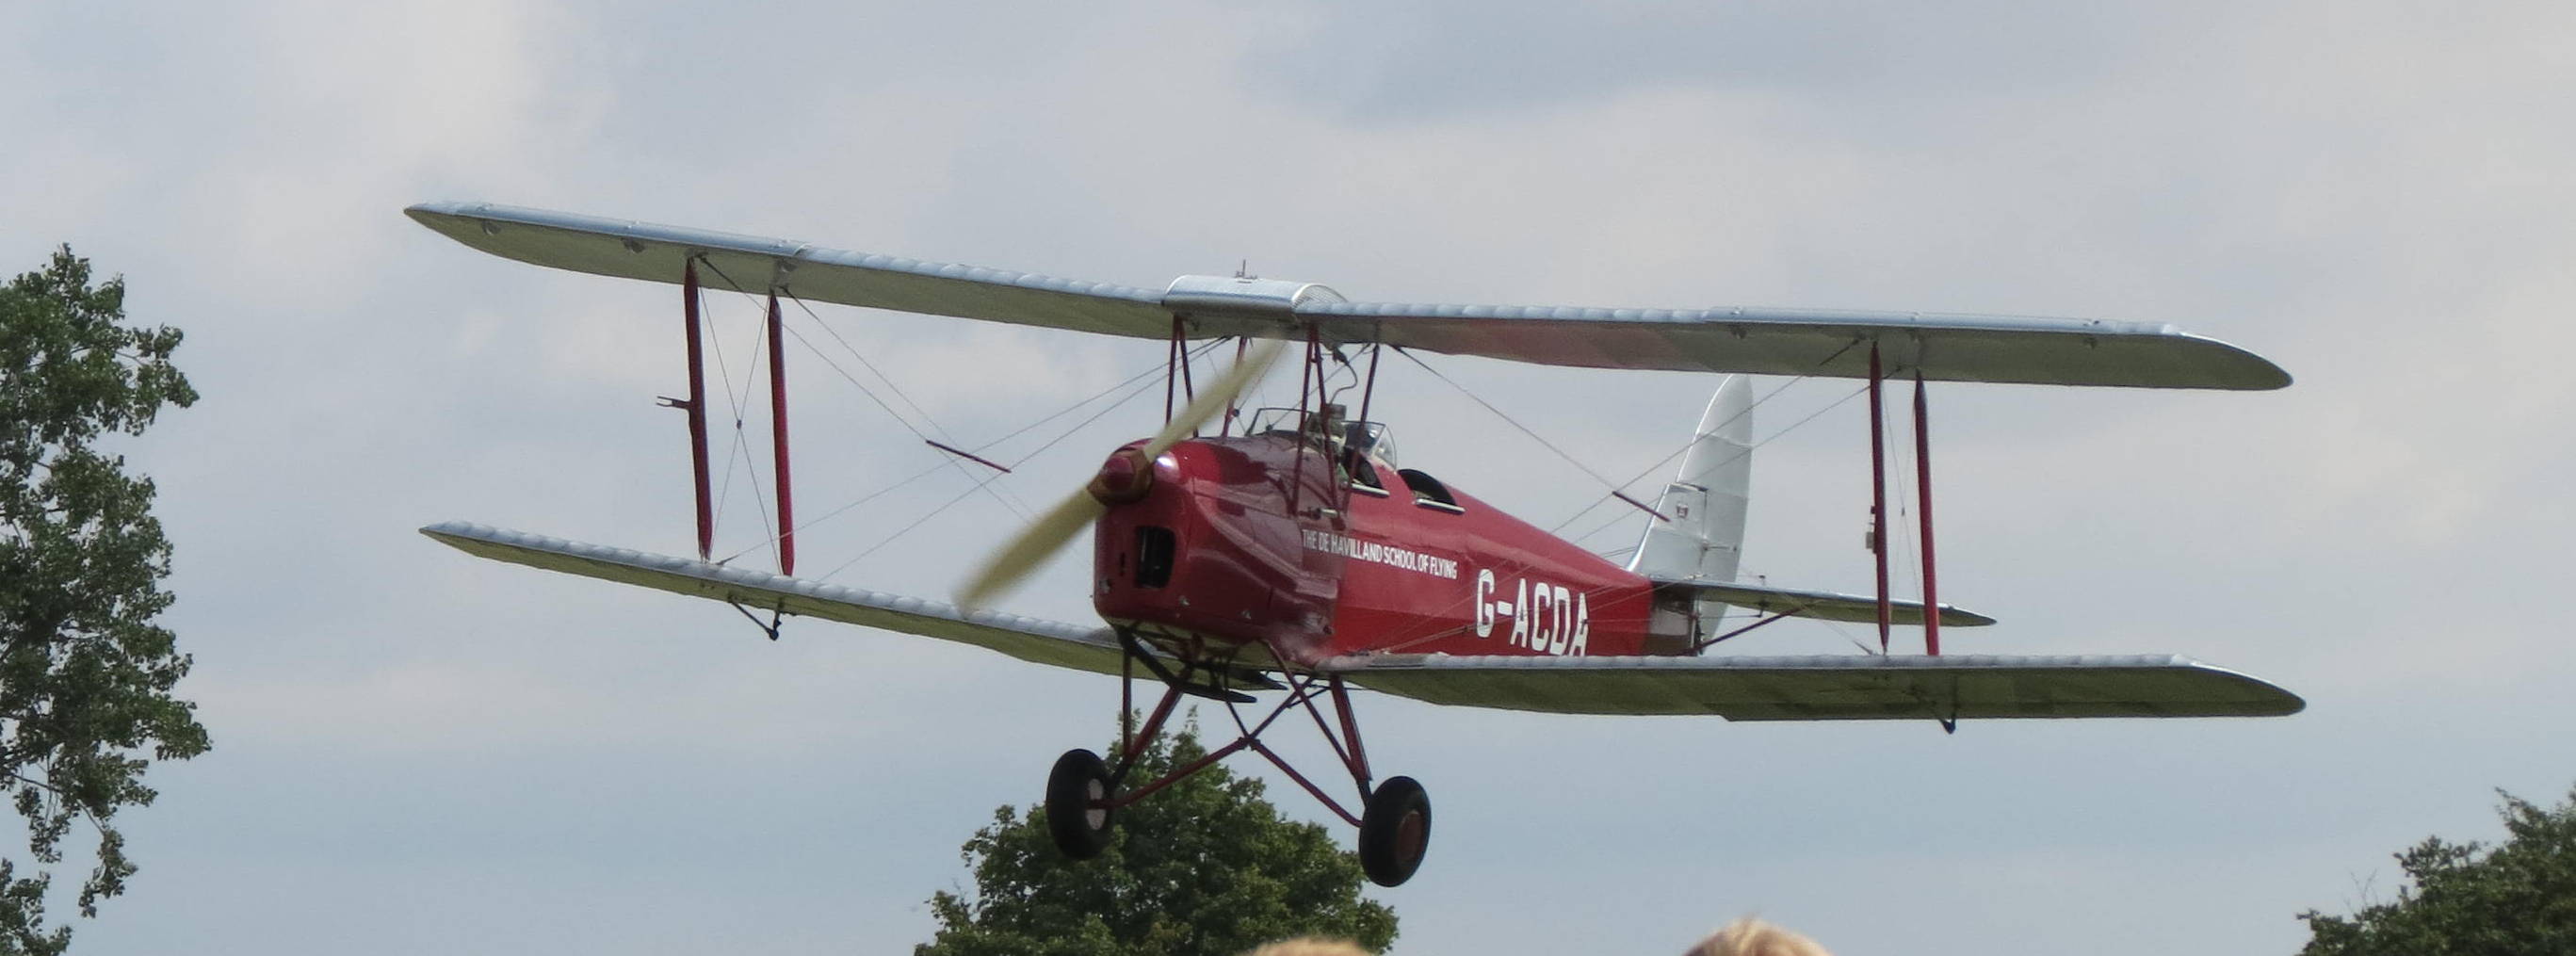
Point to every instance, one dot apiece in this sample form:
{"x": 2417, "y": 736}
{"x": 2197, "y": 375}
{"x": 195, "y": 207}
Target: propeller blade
{"x": 1220, "y": 394}
{"x": 1023, "y": 555}
{"x": 1054, "y": 529}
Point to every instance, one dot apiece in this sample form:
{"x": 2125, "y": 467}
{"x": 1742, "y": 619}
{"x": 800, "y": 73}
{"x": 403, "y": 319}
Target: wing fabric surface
{"x": 1029, "y": 639}
{"x": 1821, "y": 605}
{"x": 1828, "y": 687}
{"x": 1943, "y": 347}
{"x": 635, "y": 250}
{"x": 1836, "y": 344}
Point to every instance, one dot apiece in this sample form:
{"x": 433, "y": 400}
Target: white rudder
{"x": 1700, "y": 534}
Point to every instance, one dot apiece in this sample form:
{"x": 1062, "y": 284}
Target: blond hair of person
{"x": 1311, "y": 946}
{"x": 1753, "y": 937}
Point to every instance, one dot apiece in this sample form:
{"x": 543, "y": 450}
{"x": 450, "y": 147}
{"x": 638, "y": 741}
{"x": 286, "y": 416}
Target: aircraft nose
{"x": 1124, "y": 478}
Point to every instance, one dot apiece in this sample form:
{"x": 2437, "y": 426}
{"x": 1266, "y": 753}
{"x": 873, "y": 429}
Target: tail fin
{"x": 1699, "y": 531}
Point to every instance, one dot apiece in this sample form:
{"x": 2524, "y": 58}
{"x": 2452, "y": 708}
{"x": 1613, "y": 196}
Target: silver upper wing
{"x": 1939, "y": 346}
{"x": 1943, "y": 346}
{"x": 635, "y": 250}
{"x": 1839, "y": 687}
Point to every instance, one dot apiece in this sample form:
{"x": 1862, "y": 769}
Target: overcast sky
{"x": 420, "y": 752}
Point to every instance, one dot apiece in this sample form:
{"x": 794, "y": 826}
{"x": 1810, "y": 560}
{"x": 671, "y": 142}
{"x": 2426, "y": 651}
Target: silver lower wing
{"x": 1026, "y": 638}
{"x": 1839, "y": 687}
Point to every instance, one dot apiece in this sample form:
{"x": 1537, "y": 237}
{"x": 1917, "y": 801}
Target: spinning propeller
{"x": 1124, "y": 478}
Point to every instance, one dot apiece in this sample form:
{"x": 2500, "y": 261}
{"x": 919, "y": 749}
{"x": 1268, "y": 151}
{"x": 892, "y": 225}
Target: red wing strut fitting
{"x": 1232, "y": 408}
{"x": 697, "y": 408}
{"x": 1923, "y": 484}
{"x": 1181, "y": 342}
{"x": 1878, "y": 495}
{"x": 778, "y": 439}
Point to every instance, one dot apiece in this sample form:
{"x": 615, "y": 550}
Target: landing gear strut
{"x": 1084, "y": 792}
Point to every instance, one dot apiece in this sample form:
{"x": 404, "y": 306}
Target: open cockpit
{"x": 1363, "y": 451}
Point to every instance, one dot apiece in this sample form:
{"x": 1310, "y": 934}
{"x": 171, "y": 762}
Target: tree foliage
{"x": 1205, "y": 867}
{"x": 85, "y": 674}
{"x": 2467, "y": 899}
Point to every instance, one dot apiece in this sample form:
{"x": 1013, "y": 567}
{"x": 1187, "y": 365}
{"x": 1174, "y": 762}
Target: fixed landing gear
{"x": 1084, "y": 791}
{"x": 1395, "y": 823}
{"x": 1395, "y": 829}
{"x": 1077, "y": 804}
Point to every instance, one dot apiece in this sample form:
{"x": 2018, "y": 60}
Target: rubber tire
{"x": 1395, "y": 831}
{"x": 1078, "y": 780}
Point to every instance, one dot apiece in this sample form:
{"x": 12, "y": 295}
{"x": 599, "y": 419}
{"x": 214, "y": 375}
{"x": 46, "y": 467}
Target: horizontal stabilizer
{"x": 1839, "y": 687}
{"x": 1029, "y": 639}
{"x": 1939, "y": 346}
{"x": 1821, "y": 605}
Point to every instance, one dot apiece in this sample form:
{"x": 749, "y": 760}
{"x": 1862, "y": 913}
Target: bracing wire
{"x": 1509, "y": 420}
{"x": 1001, "y": 493}
{"x": 925, "y": 517}
{"x": 1013, "y": 504}
{"x": 737, "y": 450}
{"x": 943, "y": 466}
{"x": 1667, "y": 459}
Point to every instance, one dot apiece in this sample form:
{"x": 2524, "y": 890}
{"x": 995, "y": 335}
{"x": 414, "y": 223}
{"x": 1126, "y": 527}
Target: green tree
{"x": 1205, "y": 867}
{"x": 85, "y": 676}
{"x": 2516, "y": 898}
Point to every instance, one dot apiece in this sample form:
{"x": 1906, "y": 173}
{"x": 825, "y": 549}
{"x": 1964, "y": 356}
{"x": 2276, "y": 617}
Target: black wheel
{"x": 1394, "y": 831}
{"x": 1077, "y": 795}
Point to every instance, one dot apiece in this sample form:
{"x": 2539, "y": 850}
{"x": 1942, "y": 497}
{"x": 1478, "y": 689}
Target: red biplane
{"x": 1288, "y": 553}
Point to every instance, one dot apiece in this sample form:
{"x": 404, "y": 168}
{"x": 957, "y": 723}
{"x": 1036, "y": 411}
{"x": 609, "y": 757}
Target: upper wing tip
{"x": 2245, "y": 370}
{"x": 458, "y": 534}
{"x": 426, "y": 212}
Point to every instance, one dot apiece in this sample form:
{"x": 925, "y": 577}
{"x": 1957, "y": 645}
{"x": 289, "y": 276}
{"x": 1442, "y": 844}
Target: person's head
{"x": 1753, "y": 937}
{"x": 1311, "y": 946}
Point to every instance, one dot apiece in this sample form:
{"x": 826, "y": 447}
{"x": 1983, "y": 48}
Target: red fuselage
{"x": 1262, "y": 542}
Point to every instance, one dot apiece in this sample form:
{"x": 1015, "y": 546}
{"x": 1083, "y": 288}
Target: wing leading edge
{"x": 1829, "y": 687}
{"x": 1026, "y": 638}
{"x": 1737, "y": 688}
{"x": 1939, "y": 346}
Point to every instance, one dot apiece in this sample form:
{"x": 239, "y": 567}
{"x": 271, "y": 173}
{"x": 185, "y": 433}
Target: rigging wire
{"x": 1686, "y": 447}
{"x": 925, "y": 517}
{"x": 1016, "y": 506}
{"x": 1507, "y": 419}
{"x": 1748, "y": 409}
{"x": 1616, "y": 520}
{"x": 1907, "y": 546}
{"x": 936, "y": 468}
{"x": 870, "y": 366}
{"x": 1008, "y": 500}
{"x": 738, "y": 451}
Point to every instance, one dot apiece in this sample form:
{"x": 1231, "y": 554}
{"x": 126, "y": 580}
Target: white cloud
{"x": 2370, "y": 195}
